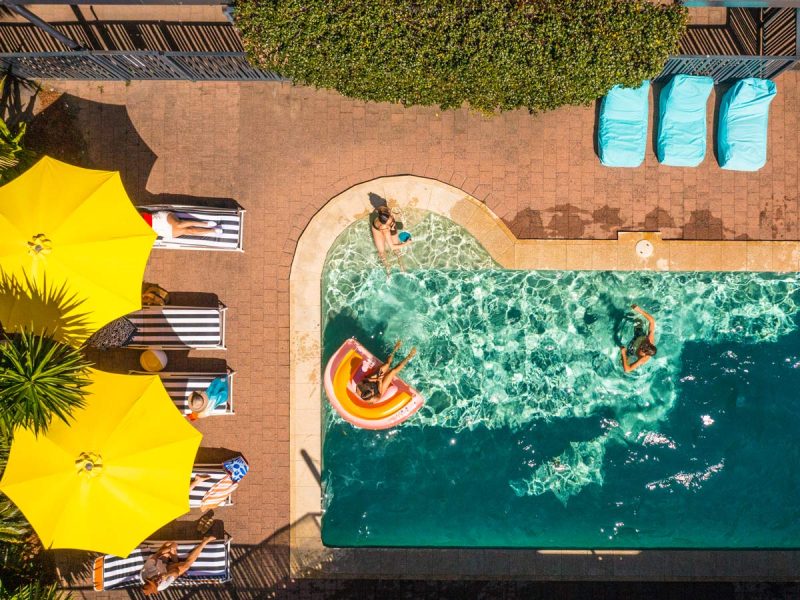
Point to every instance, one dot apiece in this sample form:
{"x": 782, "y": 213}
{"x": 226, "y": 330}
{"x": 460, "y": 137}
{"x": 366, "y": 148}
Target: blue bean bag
{"x": 682, "y": 120}
{"x": 743, "y": 123}
{"x": 622, "y": 129}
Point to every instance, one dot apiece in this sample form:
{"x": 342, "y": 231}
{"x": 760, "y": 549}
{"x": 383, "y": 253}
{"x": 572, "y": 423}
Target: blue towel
{"x": 743, "y": 124}
{"x": 237, "y": 467}
{"x": 622, "y": 128}
{"x": 682, "y": 120}
{"x": 217, "y": 392}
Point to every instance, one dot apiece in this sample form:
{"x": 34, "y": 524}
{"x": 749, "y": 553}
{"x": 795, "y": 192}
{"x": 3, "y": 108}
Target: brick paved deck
{"x": 283, "y": 151}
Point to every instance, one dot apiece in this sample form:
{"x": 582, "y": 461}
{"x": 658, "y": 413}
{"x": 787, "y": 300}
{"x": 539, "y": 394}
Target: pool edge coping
{"x": 307, "y": 554}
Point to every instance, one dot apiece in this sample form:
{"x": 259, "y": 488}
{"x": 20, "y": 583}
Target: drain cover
{"x": 644, "y": 249}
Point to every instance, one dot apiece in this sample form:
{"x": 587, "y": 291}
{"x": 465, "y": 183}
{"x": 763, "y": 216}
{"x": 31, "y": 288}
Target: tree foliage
{"x": 491, "y": 54}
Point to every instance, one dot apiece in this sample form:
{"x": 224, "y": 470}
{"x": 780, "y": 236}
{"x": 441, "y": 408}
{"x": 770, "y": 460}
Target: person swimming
{"x": 643, "y": 344}
{"x": 374, "y": 386}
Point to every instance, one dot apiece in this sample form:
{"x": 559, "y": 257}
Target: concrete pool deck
{"x": 626, "y": 253}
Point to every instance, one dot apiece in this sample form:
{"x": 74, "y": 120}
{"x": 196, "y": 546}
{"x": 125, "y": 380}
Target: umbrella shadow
{"x": 59, "y": 129}
{"x": 45, "y": 310}
{"x": 215, "y": 456}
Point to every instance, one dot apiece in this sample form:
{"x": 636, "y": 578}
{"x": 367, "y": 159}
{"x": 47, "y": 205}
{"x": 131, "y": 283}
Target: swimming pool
{"x": 532, "y": 436}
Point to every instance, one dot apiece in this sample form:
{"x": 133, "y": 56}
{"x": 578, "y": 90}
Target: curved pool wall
{"x": 531, "y": 435}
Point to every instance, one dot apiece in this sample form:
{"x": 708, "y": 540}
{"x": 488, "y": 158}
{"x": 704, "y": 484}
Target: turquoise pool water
{"x": 532, "y": 436}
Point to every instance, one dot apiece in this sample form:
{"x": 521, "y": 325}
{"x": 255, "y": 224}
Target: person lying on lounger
{"x": 169, "y": 227}
{"x": 162, "y": 568}
{"x": 374, "y": 386}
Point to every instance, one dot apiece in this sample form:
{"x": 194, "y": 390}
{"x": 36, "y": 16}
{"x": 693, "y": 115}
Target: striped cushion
{"x": 177, "y": 326}
{"x": 181, "y": 387}
{"x": 219, "y": 494}
{"x": 227, "y": 240}
{"x": 215, "y": 475}
{"x": 212, "y": 565}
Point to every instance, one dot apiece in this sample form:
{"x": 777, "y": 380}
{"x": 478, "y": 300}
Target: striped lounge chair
{"x": 212, "y": 567}
{"x": 180, "y": 386}
{"x": 230, "y": 219}
{"x": 215, "y": 474}
{"x": 179, "y": 327}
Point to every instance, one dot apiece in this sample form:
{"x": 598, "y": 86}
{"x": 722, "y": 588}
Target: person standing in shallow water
{"x": 385, "y": 235}
{"x": 643, "y": 345}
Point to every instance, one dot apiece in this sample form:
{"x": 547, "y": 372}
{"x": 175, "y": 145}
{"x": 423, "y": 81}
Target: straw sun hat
{"x": 198, "y": 401}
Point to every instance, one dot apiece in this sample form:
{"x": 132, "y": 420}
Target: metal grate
{"x": 122, "y": 65}
{"x": 753, "y": 43}
{"x": 727, "y": 68}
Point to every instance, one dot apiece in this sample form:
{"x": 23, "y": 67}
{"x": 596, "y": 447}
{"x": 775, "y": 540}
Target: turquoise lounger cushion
{"x": 743, "y": 122}
{"x": 622, "y": 130}
{"x": 682, "y": 120}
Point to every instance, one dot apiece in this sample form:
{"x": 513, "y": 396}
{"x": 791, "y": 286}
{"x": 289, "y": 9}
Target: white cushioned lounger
{"x": 230, "y": 219}
{"x": 179, "y": 327}
{"x": 215, "y": 474}
{"x": 180, "y": 386}
{"x": 212, "y": 566}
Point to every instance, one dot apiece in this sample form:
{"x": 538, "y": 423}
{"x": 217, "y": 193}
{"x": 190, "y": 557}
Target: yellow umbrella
{"x": 113, "y": 476}
{"x": 78, "y": 228}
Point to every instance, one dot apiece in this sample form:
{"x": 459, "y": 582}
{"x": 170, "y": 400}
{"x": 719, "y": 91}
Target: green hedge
{"x": 491, "y": 54}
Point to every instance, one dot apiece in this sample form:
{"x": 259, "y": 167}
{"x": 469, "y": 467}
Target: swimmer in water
{"x": 643, "y": 345}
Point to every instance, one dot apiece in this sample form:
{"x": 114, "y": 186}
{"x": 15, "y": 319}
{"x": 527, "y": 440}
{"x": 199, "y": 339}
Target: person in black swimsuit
{"x": 385, "y": 236}
{"x": 643, "y": 345}
{"x": 374, "y": 386}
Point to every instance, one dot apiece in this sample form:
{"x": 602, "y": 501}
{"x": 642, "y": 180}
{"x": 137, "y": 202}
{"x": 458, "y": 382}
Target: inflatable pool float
{"x": 347, "y": 367}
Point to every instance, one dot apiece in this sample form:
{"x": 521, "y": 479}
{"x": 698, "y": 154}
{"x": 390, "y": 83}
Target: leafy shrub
{"x": 491, "y": 54}
{"x": 14, "y": 158}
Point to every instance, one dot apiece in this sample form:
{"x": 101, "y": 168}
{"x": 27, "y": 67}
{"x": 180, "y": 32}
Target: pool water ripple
{"x": 525, "y": 366}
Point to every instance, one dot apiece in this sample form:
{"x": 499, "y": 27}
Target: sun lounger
{"x": 179, "y": 327}
{"x": 743, "y": 124}
{"x": 682, "y": 120}
{"x": 215, "y": 474}
{"x": 180, "y": 386}
{"x": 230, "y": 219}
{"x": 212, "y": 567}
{"x": 622, "y": 127}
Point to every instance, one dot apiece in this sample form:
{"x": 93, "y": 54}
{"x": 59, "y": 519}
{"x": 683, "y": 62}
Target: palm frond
{"x": 34, "y": 591}
{"x": 40, "y": 379}
{"x": 14, "y": 528}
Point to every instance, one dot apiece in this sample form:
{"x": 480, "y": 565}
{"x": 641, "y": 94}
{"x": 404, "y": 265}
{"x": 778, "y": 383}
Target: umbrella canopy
{"x": 76, "y": 231}
{"x": 114, "y": 475}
